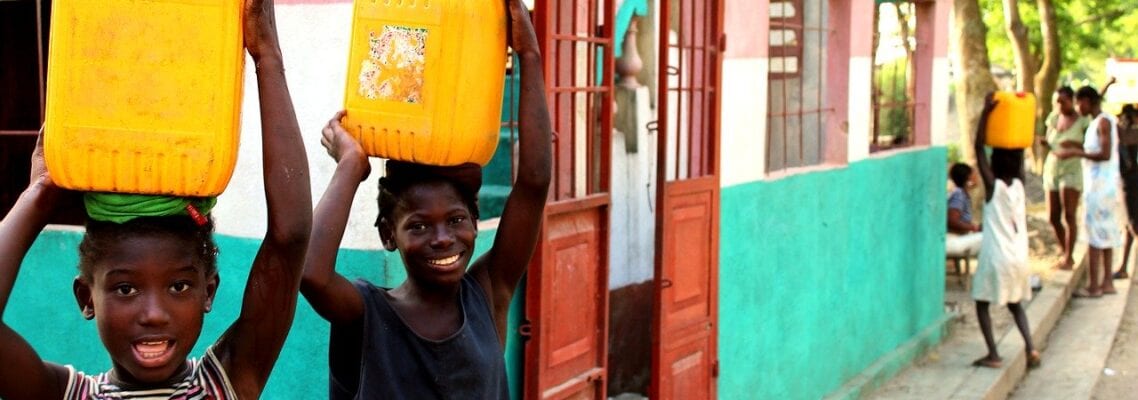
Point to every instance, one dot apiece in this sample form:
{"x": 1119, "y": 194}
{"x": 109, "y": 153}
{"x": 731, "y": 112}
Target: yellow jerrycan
{"x": 425, "y": 79}
{"x": 1012, "y": 123}
{"x": 144, "y": 96}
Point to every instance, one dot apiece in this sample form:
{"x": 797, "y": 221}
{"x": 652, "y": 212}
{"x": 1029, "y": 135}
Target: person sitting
{"x": 963, "y": 239}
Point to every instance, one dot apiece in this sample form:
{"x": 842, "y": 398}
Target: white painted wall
{"x": 633, "y": 218}
{"x": 314, "y": 40}
{"x": 860, "y": 108}
{"x": 743, "y": 119}
{"x": 940, "y": 120}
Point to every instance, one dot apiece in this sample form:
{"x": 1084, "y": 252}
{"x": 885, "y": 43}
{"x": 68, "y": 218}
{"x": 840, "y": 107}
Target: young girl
{"x": 148, "y": 282}
{"x": 1102, "y": 195}
{"x": 440, "y": 333}
{"x": 1002, "y": 275}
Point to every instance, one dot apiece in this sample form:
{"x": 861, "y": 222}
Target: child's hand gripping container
{"x": 425, "y": 79}
{"x": 144, "y": 96}
{"x": 1011, "y": 125}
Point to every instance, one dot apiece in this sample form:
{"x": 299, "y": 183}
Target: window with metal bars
{"x": 577, "y": 45}
{"x": 796, "y": 106}
{"x": 894, "y": 80}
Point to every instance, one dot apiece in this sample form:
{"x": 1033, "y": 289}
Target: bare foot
{"x": 1065, "y": 265}
{"x": 1109, "y": 289}
{"x": 1087, "y": 293}
{"x": 988, "y": 362}
{"x": 1034, "y": 359}
{"x": 1120, "y": 275}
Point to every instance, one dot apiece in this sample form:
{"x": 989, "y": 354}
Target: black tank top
{"x": 382, "y": 358}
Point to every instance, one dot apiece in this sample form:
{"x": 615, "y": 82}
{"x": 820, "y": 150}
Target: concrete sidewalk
{"x": 946, "y": 371}
{"x": 1077, "y": 352}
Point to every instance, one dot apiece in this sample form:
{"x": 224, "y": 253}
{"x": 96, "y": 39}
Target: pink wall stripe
{"x": 745, "y": 22}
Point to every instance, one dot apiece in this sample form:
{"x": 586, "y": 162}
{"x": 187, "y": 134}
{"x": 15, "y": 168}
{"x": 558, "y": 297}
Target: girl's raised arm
{"x": 23, "y": 375}
{"x": 251, "y": 345}
{"x": 332, "y": 295}
{"x": 982, "y": 164}
{"x": 502, "y": 267}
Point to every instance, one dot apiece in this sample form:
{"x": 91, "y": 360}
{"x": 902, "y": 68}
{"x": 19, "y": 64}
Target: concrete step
{"x": 946, "y": 371}
{"x": 1076, "y": 353}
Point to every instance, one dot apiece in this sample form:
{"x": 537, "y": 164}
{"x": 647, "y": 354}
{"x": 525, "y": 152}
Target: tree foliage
{"x": 1090, "y": 31}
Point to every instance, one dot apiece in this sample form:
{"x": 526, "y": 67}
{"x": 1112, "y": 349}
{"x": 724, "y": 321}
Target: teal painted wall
{"x": 823, "y": 273}
{"x": 43, "y": 310}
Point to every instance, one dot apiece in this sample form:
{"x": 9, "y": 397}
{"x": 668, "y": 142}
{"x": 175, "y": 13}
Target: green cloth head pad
{"x": 121, "y": 208}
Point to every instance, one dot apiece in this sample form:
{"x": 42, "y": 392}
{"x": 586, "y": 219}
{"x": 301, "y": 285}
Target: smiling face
{"x": 148, "y": 296}
{"x": 434, "y": 231}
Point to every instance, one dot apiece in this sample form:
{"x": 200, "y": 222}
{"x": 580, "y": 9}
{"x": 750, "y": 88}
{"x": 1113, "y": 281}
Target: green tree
{"x": 1090, "y": 31}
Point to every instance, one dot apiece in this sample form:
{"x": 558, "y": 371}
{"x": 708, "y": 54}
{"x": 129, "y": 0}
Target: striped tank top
{"x": 206, "y": 380}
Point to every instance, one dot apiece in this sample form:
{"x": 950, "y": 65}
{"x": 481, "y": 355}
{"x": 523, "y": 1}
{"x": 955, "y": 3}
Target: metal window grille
{"x": 894, "y": 104}
{"x": 577, "y": 45}
{"x": 691, "y": 78}
{"x": 796, "y": 106}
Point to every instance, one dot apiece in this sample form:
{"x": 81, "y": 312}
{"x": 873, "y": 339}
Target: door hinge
{"x": 665, "y": 283}
{"x": 525, "y": 330}
{"x": 715, "y": 369}
{"x": 723, "y": 42}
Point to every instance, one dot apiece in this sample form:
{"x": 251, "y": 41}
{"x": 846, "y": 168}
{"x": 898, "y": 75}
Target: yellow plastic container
{"x": 144, "y": 96}
{"x": 425, "y": 79}
{"x": 1012, "y": 123}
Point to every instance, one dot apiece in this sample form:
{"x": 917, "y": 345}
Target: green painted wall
{"x": 43, "y": 310}
{"x": 823, "y": 273}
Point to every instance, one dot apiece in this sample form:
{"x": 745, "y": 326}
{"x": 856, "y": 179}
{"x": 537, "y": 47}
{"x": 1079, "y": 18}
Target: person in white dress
{"x": 1003, "y": 276}
{"x": 1102, "y": 195}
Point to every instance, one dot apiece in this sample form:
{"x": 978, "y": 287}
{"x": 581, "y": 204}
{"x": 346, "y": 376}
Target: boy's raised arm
{"x": 502, "y": 267}
{"x": 251, "y": 346}
{"x": 23, "y": 375}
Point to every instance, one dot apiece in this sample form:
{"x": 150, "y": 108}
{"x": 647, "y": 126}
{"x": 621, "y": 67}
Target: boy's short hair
{"x": 1129, "y": 110}
{"x": 1089, "y": 93}
{"x": 1066, "y": 91}
{"x": 1007, "y": 162}
{"x": 959, "y": 173}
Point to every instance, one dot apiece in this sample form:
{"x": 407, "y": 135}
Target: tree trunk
{"x": 1017, "y": 34}
{"x": 1047, "y": 78}
{"x": 973, "y": 71}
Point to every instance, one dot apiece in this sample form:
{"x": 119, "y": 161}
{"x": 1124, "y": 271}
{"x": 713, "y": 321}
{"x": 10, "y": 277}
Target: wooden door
{"x": 684, "y": 360}
{"x": 567, "y": 288}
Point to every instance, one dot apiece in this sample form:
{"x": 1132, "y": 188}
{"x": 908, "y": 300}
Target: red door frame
{"x": 567, "y": 283}
{"x": 685, "y": 321}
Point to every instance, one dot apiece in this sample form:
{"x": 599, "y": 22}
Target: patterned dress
{"x": 1102, "y": 194}
{"x": 206, "y": 380}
